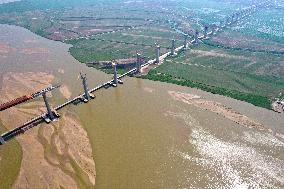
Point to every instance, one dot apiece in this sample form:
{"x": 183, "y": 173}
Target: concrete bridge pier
{"x": 173, "y": 53}
{"x": 185, "y": 41}
{"x": 2, "y": 141}
{"x": 196, "y": 37}
{"x": 221, "y": 24}
{"x": 237, "y": 16}
{"x": 244, "y": 13}
{"x": 87, "y": 96}
{"x": 138, "y": 63}
{"x": 214, "y": 29}
{"x": 51, "y": 115}
{"x": 228, "y": 22}
{"x": 115, "y": 81}
{"x": 158, "y": 54}
{"x": 233, "y": 18}
{"x": 205, "y": 32}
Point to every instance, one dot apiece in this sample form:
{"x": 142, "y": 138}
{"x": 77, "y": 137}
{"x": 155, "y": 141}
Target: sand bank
{"x": 43, "y": 165}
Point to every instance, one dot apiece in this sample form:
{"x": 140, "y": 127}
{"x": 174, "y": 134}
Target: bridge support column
{"x": 243, "y": 13}
{"x": 223, "y": 24}
{"x": 2, "y": 141}
{"x": 238, "y": 16}
{"x": 196, "y": 37}
{"x": 51, "y": 115}
{"x": 173, "y": 48}
{"x": 185, "y": 41}
{"x": 115, "y": 81}
{"x": 87, "y": 96}
{"x": 138, "y": 63}
{"x": 232, "y": 18}
{"x": 213, "y": 30}
{"x": 158, "y": 54}
{"x": 205, "y": 32}
{"x": 228, "y": 21}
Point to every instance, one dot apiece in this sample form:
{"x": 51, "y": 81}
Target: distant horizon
{"x": 7, "y": 1}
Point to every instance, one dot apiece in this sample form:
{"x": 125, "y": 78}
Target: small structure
{"x": 221, "y": 24}
{"x": 228, "y": 21}
{"x": 138, "y": 63}
{"x": 115, "y": 81}
{"x": 214, "y": 29}
{"x": 173, "y": 48}
{"x": 158, "y": 54}
{"x": 87, "y": 96}
{"x": 51, "y": 114}
{"x": 205, "y": 32}
{"x": 185, "y": 41}
{"x": 237, "y": 16}
{"x": 196, "y": 40}
{"x": 233, "y": 18}
{"x": 278, "y": 106}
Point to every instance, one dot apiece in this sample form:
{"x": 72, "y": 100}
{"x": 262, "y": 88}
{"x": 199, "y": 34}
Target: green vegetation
{"x": 256, "y": 100}
{"x": 10, "y": 162}
{"x": 256, "y": 77}
{"x": 122, "y": 45}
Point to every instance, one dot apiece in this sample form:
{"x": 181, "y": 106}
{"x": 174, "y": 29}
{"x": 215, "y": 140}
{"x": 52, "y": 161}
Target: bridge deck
{"x": 39, "y": 119}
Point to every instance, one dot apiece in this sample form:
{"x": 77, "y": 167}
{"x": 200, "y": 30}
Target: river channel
{"x": 144, "y": 136}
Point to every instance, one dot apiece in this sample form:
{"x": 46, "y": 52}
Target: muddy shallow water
{"x": 144, "y": 137}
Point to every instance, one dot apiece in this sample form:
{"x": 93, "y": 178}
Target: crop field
{"x": 124, "y": 44}
{"x": 215, "y": 69}
{"x": 95, "y": 50}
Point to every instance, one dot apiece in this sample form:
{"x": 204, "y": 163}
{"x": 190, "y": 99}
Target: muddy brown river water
{"x": 147, "y": 134}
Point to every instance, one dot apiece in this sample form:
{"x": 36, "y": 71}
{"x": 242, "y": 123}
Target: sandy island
{"x": 222, "y": 110}
{"x": 216, "y": 108}
{"x": 51, "y": 156}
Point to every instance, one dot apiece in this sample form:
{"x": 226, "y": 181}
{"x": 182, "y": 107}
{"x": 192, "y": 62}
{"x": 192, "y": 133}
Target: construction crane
{"x": 25, "y": 98}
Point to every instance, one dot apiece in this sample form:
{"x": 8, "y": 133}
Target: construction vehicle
{"x": 25, "y": 98}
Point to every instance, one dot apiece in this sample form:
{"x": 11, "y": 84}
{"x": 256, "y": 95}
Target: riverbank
{"x": 256, "y": 100}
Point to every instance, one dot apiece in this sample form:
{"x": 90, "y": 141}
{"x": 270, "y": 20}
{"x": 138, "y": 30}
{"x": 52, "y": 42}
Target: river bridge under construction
{"x": 88, "y": 94}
